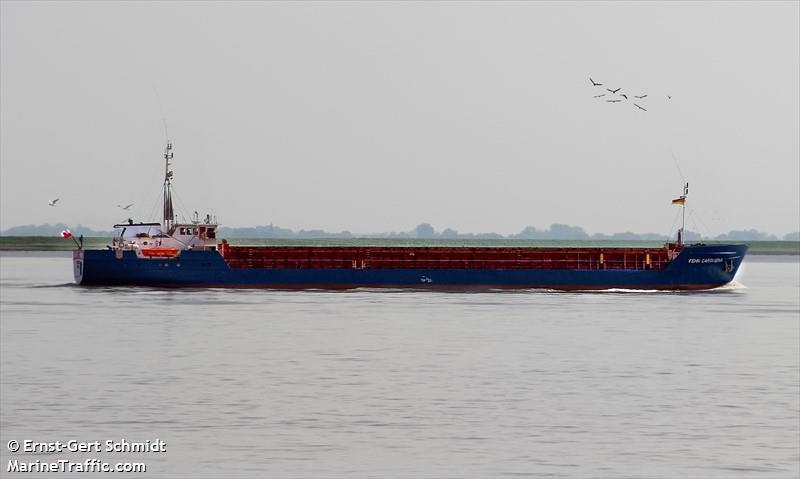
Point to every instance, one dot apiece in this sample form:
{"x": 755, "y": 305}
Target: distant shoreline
{"x": 49, "y": 243}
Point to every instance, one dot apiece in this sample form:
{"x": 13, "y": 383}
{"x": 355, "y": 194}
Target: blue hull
{"x": 697, "y": 267}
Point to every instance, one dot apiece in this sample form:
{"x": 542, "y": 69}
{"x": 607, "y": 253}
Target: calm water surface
{"x": 248, "y": 383}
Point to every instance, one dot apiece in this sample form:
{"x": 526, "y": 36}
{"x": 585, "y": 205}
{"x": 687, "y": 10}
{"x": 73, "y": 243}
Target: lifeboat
{"x": 160, "y": 252}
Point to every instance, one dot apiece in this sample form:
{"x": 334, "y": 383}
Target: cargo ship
{"x": 177, "y": 254}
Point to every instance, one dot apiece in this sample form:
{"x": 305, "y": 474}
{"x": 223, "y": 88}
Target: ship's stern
{"x": 77, "y": 265}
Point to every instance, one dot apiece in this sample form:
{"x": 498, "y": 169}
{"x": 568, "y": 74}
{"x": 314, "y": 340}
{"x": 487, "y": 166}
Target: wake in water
{"x": 59, "y": 285}
{"x": 732, "y": 286}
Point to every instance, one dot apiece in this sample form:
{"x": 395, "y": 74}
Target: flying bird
{"x": 613, "y": 101}
{"x": 669, "y": 97}
{"x": 125, "y": 207}
{"x": 594, "y": 83}
{"x": 53, "y": 202}
{"x": 640, "y": 96}
{"x": 623, "y": 95}
{"x": 598, "y": 96}
{"x": 614, "y": 91}
{"x": 637, "y": 106}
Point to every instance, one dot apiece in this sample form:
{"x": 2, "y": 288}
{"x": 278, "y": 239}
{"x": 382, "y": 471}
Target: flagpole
{"x": 681, "y": 200}
{"x": 66, "y": 229}
{"x": 683, "y": 212}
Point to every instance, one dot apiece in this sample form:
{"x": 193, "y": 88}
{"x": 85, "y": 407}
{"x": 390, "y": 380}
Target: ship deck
{"x": 310, "y": 257}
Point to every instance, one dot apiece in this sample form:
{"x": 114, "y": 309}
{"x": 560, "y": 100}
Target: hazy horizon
{"x": 555, "y": 231}
{"x": 378, "y": 116}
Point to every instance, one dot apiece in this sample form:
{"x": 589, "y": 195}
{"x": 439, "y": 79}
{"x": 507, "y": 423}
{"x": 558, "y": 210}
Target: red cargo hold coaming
{"x": 346, "y": 257}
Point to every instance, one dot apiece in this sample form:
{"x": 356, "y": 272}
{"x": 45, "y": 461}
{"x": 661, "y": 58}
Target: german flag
{"x": 679, "y": 201}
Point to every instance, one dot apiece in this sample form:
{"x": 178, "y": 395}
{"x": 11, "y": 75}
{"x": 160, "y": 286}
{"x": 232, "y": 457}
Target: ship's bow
{"x": 708, "y": 266}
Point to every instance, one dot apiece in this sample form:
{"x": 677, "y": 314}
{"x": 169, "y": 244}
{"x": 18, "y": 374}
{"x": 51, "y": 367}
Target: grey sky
{"x": 378, "y": 116}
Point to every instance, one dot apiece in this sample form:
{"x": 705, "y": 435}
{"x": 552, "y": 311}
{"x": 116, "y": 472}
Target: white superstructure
{"x": 170, "y": 237}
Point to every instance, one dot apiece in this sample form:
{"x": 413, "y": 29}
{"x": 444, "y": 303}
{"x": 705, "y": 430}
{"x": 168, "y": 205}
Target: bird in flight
{"x": 640, "y": 96}
{"x": 598, "y": 96}
{"x": 594, "y": 83}
{"x": 125, "y": 207}
{"x": 669, "y": 97}
{"x": 623, "y": 95}
{"x": 637, "y": 106}
{"x": 613, "y": 101}
{"x": 614, "y": 91}
{"x": 53, "y": 202}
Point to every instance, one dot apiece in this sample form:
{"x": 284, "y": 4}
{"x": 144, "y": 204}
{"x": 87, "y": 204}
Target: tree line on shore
{"x": 425, "y": 231}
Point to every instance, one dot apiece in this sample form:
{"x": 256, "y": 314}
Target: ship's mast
{"x": 169, "y": 213}
{"x": 682, "y": 233}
